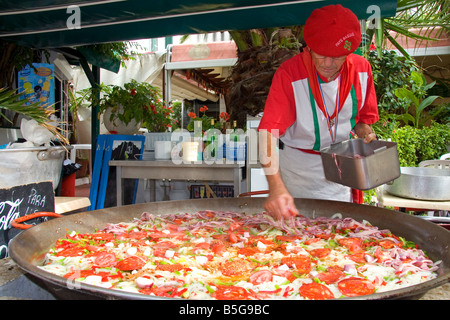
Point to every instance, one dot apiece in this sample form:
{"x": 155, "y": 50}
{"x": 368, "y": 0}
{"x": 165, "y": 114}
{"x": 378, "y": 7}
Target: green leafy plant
{"x": 140, "y": 101}
{"x": 415, "y": 145}
{"x": 10, "y": 100}
{"x": 415, "y": 96}
{"x": 390, "y": 72}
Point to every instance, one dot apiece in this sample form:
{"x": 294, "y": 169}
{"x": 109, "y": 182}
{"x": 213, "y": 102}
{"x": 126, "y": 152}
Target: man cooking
{"x": 319, "y": 97}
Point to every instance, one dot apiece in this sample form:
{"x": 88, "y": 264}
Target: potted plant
{"x": 137, "y": 104}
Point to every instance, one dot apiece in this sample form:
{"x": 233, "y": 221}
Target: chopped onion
{"x": 93, "y": 279}
{"x": 142, "y": 282}
{"x": 132, "y": 251}
{"x": 201, "y": 259}
{"x": 350, "y": 269}
{"x": 169, "y": 254}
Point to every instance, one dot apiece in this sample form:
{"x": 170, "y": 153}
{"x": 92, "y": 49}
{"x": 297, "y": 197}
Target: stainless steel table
{"x": 166, "y": 169}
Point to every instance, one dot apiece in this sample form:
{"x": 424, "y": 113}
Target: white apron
{"x": 304, "y": 177}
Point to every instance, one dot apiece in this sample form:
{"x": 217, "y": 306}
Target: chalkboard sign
{"x": 20, "y": 201}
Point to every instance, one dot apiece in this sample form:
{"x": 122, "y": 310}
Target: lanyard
{"x": 336, "y": 111}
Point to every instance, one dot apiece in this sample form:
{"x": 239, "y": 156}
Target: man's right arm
{"x": 280, "y": 203}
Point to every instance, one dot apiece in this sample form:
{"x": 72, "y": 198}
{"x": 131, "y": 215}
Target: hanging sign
{"x": 38, "y": 83}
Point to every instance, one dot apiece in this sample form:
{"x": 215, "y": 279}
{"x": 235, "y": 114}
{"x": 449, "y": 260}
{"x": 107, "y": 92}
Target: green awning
{"x": 52, "y": 24}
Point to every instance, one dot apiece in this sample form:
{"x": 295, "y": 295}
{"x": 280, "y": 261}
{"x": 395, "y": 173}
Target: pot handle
{"x": 50, "y": 154}
{"x": 252, "y": 193}
{"x": 16, "y": 223}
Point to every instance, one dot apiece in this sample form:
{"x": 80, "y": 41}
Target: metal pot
{"x": 421, "y": 183}
{"x": 28, "y": 248}
{"x": 21, "y": 166}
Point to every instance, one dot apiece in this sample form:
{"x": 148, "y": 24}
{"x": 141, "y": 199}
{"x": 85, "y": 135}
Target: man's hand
{"x": 280, "y": 204}
{"x": 365, "y": 132}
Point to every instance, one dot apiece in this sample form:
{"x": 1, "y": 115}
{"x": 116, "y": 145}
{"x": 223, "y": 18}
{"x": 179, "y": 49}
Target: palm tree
{"x": 430, "y": 17}
{"x": 260, "y": 53}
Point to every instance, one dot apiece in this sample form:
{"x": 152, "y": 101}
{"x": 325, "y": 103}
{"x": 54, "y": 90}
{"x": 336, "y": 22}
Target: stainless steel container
{"x": 422, "y": 184}
{"x": 30, "y": 165}
{"x": 360, "y": 165}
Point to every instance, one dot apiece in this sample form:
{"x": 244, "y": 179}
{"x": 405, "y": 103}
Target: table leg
{"x": 119, "y": 186}
{"x": 152, "y": 190}
{"x": 237, "y": 181}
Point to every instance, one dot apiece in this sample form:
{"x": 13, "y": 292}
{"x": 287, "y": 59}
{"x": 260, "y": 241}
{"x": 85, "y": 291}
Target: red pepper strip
{"x": 270, "y": 292}
{"x": 287, "y": 291}
{"x": 176, "y": 293}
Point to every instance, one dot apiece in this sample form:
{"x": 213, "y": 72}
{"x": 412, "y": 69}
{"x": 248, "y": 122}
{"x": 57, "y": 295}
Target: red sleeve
{"x": 368, "y": 114}
{"x": 279, "y": 110}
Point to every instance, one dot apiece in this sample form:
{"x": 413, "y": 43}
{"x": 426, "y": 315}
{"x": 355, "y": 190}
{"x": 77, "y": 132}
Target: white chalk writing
{"x": 36, "y": 199}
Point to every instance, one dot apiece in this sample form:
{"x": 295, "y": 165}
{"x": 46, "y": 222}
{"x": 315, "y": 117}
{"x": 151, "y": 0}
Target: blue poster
{"x": 38, "y": 83}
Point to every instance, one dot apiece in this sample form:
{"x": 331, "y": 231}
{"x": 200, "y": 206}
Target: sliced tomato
{"x": 315, "y": 291}
{"x": 230, "y": 293}
{"x": 218, "y": 247}
{"x": 202, "y": 245}
{"x": 352, "y": 244}
{"x": 301, "y": 264}
{"x": 71, "y": 252}
{"x": 234, "y": 238}
{"x": 77, "y": 274}
{"x": 165, "y": 245}
{"x": 311, "y": 241}
{"x": 260, "y": 276}
{"x": 332, "y": 275}
{"x": 210, "y": 214}
{"x": 236, "y": 267}
{"x": 105, "y": 259}
{"x": 325, "y": 236}
{"x": 179, "y": 220}
{"x": 131, "y": 263}
{"x": 160, "y": 252}
{"x": 387, "y": 244}
{"x": 164, "y": 291}
{"x": 64, "y": 244}
{"x": 170, "y": 267}
{"x": 253, "y": 240}
{"x": 138, "y": 235}
{"x": 172, "y": 227}
{"x": 358, "y": 257}
{"x": 287, "y": 238}
{"x": 235, "y": 226}
{"x": 352, "y": 287}
{"x": 102, "y": 236}
{"x": 320, "y": 253}
{"x": 382, "y": 255}
{"x": 247, "y": 251}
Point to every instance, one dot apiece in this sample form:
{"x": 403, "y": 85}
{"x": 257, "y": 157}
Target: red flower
{"x": 133, "y": 92}
{"x": 203, "y": 109}
{"x": 225, "y": 116}
{"x": 192, "y": 115}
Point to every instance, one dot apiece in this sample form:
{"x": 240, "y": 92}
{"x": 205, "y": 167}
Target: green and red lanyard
{"x": 336, "y": 110}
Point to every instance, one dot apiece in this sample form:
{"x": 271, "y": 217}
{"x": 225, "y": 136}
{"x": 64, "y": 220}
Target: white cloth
{"x": 304, "y": 177}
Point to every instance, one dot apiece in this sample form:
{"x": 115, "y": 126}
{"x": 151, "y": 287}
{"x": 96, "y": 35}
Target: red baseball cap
{"x": 332, "y": 31}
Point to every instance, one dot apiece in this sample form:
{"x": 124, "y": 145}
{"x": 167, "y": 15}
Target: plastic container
{"x": 361, "y": 166}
